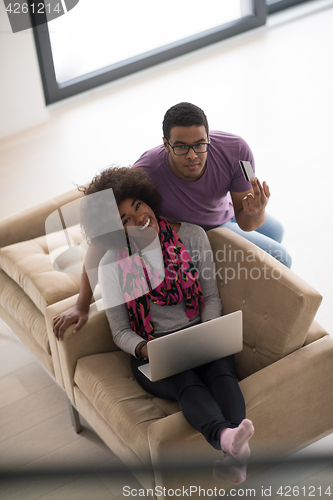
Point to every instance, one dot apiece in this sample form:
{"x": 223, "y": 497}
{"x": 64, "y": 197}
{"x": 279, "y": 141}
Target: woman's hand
{"x": 141, "y": 350}
{"x": 63, "y": 320}
{"x": 144, "y": 352}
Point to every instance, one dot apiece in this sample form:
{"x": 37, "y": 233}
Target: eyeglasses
{"x": 183, "y": 149}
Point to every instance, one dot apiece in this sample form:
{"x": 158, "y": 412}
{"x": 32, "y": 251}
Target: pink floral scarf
{"x": 181, "y": 281}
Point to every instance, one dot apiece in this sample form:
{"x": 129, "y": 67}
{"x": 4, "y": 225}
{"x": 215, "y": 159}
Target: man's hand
{"x": 63, "y": 320}
{"x": 254, "y": 204}
{"x": 249, "y": 206}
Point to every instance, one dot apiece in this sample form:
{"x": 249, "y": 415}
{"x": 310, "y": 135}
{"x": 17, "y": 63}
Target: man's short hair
{"x": 184, "y": 114}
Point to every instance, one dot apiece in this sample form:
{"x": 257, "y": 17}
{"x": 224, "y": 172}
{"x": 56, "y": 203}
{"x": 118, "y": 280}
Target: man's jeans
{"x": 268, "y": 237}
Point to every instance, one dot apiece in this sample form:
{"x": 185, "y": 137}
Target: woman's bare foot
{"x": 235, "y": 441}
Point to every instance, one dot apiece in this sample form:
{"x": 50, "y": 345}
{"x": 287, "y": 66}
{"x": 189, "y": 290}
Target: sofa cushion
{"x": 29, "y": 264}
{"x": 108, "y": 383}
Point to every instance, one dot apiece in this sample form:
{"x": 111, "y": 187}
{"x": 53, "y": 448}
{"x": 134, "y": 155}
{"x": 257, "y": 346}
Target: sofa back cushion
{"x": 278, "y": 306}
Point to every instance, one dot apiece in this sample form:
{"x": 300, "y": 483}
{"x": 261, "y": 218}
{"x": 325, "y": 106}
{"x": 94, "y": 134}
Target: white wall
{"x": 22, "y": 102}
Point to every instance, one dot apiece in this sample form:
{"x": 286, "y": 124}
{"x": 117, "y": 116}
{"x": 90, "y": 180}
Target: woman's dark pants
{"x": 209, "y": 396}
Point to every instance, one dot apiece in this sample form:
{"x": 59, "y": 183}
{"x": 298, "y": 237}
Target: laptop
{"x": 194, "y": 346}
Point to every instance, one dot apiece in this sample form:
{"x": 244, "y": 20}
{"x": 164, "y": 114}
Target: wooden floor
{"x": 36, "y": 434}
{"x": 274, "y": 88}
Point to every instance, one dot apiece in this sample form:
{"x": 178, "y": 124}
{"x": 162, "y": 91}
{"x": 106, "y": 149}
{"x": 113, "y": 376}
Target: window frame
{"x": 274, "y": 6}
{"x": 54, "y": 92}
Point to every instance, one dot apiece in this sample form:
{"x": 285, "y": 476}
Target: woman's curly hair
{"x": 125, "y": 182}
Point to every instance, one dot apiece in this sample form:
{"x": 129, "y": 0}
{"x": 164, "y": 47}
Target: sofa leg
{"x": 75, "y": 418}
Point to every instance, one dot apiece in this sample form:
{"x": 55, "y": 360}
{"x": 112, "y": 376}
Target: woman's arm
{"x": 116, "y": 311}
{"x": 123, "y": 335}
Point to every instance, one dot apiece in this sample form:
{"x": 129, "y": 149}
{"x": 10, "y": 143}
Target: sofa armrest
{"x": 30, "y": 223}
{"x": 278, "y": 306}
{"x": 316, "y": 332}
{"x": 93, "y": 338}
{"x": 290, "y": 403}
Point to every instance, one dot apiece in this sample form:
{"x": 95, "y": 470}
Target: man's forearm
{"x": 89, "y": 280}
{"x": 250, "y": 223}
{"x": 86, "y": 289}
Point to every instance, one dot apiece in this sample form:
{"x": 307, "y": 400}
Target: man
{"x": 195, "y": 170}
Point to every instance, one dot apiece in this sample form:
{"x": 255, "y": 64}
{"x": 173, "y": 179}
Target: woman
{"x": 209, "y": 396}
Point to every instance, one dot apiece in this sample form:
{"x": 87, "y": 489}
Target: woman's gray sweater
{"x": 166, "y": 319}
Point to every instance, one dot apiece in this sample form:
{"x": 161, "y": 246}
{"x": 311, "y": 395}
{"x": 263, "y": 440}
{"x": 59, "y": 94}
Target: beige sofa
{"x": 285, "y": 368}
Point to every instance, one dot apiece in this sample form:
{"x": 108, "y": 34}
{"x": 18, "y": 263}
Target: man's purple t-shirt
{"x": 206, "y": 201}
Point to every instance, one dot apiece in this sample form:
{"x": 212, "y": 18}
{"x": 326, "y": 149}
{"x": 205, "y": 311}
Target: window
{"x": 87, "y": 47}
{"x": 94, "y": 43}
{"x": 82, "y": 43}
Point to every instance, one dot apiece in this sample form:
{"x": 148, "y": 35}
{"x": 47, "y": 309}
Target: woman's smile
{"x": 139, "y": 221}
